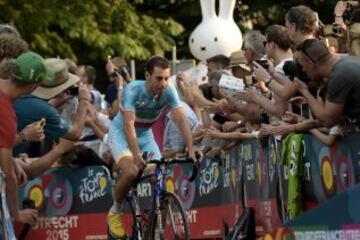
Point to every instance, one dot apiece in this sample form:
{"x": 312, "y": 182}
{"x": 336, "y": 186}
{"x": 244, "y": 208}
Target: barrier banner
{"x": 336, "y": 219}
{"x": 73, "y": 202}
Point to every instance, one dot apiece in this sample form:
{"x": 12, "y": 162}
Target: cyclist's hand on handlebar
{"x": 139, "y": 161}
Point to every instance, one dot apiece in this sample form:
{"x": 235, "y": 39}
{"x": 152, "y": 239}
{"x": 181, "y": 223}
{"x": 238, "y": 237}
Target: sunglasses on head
{"x": 304, "y": 49}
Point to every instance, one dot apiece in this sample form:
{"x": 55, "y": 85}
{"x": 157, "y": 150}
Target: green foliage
{"x": 257, "y": 14}
{"x": 91, "y": 29}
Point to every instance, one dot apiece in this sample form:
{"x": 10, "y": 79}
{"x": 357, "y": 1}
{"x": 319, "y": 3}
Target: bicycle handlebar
{"x": 166, "y": 162}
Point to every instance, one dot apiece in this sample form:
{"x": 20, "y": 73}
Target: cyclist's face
{"x": 158, "y": 80}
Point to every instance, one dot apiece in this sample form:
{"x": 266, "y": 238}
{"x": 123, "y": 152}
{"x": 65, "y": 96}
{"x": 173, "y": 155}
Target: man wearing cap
{"x": 25, "y": 74}
{"x": 34, "y": 107}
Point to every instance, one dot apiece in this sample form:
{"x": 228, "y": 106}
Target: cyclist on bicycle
{"x": 130, "y": 134}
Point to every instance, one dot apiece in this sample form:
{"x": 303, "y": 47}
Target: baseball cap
{"x": 31, "y": 69}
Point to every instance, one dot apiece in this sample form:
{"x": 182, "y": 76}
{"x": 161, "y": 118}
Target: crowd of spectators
{"x": 298, "y": 77}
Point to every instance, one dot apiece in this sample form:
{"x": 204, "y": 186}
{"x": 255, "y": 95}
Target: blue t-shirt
{"x": 31, "y": 109}
{"x": 146, "y": 108}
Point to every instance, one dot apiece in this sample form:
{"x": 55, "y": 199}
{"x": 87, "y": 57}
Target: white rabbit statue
{"x": 216, "y": 34}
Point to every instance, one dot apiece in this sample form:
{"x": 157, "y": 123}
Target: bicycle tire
{"x": 175, "y": 228}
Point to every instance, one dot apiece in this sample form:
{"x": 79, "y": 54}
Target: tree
{"x": 90, "y": 29}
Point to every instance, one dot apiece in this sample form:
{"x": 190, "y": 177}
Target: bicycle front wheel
{"x": 174, "y": 222}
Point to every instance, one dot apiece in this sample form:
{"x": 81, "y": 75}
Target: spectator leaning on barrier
{"x": 253, "y": 46}
{"x": 214, "y": 64}
{"x": 254, "y": 50}
{"x": 67, "y": 102}
{"x": 277, "y": 47}
{"x": 18, "y": 77}
{"x": 117, "y": 84}
{"x": 343, "y": 87}
{"x": 173, "y": 140}
{"x": 217, "y": 62}
{"x": 34, "y": 107}
{"x": 239, "y": 66}
{"x": 90, "y": 81}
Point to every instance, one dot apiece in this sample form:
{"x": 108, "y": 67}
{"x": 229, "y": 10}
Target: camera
{"x": 263, "y": 63}
{"x": 123, "y": 72}
{"x": 294, "y": 69}
{"x": 74, "y": 91}
{"x": 350, "y": 12}
{"x": 264, "y": 118}
{"x": 305, "y": 112}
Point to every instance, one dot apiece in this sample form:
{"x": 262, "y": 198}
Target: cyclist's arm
{"x": 178, "y": 116}
{"x": 130, "y": 133}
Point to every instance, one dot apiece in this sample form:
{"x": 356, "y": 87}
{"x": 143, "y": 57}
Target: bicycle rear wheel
{"x": 174, "y": 220}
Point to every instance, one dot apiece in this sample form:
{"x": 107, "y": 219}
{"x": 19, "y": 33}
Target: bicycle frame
{"x": 159, "y": 189}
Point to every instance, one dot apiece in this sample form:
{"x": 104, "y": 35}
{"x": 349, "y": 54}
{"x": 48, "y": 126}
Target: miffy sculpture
{"x": 216, "y": 34}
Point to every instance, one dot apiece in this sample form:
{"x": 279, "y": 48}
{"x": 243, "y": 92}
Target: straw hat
{"x": 62, "y": 80}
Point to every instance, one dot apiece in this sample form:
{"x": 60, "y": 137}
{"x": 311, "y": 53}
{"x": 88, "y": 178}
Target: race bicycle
{"x": 166, "y": 218}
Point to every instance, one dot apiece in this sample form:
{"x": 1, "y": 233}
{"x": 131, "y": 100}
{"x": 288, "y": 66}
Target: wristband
{"x": 85, "y": 99}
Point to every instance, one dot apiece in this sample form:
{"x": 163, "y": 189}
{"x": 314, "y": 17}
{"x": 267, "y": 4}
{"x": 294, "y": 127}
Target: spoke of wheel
{"x": 172, "y": 219}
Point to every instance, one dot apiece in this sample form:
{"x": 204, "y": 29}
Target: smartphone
{"x": 263, "y": 63}
{"x": 305, "y": 110}
{"x": 74, "y": 91}
{"x": 264, "y": 118}
{"x": 28, "y": 203}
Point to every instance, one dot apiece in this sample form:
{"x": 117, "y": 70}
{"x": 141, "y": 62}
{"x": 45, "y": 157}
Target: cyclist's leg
{"x": 148, "y": 144}
{"x": 129, "y": 171}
